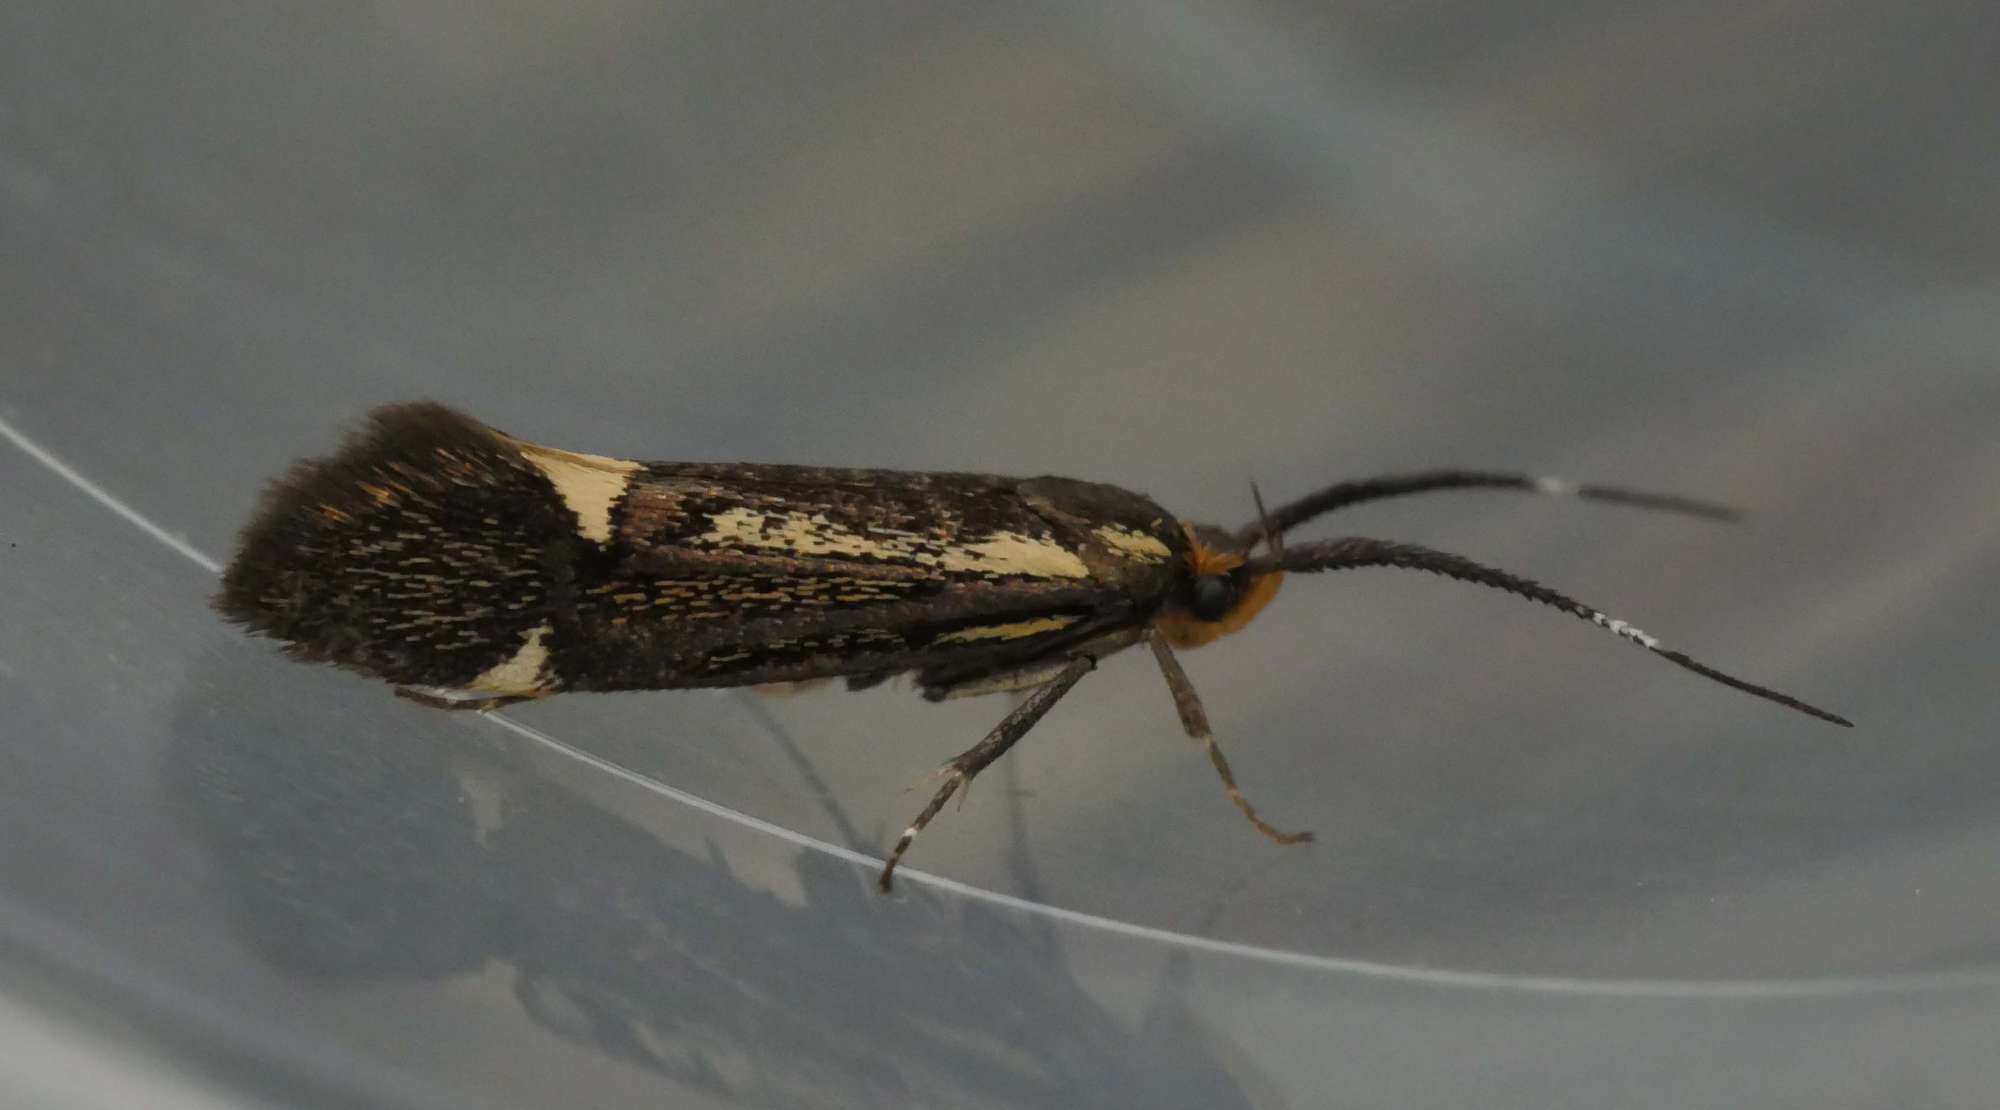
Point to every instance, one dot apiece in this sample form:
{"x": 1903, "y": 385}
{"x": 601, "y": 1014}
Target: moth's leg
{"x": 961, "y": 681}
{"x": 439, "y": 698}
{"x": 960, "y": 771}
{"x": 1005, "y": 682}
{"x": 1195, "y": 720}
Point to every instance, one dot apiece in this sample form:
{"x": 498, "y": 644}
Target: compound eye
{"x": 1212, "y": 598}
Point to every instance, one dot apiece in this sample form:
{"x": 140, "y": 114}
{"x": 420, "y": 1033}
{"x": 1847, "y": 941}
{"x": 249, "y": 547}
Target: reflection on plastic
{"x": 355, "y": 855}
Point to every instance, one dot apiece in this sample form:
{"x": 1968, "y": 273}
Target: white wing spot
{"x": 1559, "y": 487}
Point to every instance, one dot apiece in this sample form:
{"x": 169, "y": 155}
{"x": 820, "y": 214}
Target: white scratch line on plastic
{"x": 1443, "y": 977}
{"x": 1746, "y": 989}
{"x": 103, "y": 497}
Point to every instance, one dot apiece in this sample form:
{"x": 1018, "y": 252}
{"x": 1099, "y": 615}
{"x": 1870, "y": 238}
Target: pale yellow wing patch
{"x": 797, "y": 534}
{"x": 1014, "y": 553}
{"x": 521, "y": 675}
{"x": 589, "y": 484}
{"x": 812, "y": 534}
{"x": 1011, "y": 631}
{"x": 1133, "y": 544}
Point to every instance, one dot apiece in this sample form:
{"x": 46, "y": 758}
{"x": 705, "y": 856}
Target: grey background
{"x": 1739, "y": 250}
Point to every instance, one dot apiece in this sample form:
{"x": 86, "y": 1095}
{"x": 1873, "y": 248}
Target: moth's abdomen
{"x": 425, "y": 551}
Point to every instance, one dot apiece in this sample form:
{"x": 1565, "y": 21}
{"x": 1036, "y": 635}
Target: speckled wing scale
{"x": 439, "y": 554}
{"x": 472, "y": 569}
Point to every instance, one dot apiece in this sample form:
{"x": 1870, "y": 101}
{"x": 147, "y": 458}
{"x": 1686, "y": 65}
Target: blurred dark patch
{"x": 350, "y": 852}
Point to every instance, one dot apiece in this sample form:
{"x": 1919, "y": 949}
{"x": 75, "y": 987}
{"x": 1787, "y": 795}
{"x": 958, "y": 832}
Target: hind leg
{"x": 958, "y": 773}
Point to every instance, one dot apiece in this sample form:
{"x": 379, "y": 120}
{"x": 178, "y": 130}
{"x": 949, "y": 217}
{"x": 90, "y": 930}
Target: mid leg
{"x": 960, "y": 771}
{"x": 1195, "y": 720}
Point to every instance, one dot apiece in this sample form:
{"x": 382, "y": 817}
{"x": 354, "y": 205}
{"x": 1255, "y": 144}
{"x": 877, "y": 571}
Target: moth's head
{"x": 1220, "y": 594}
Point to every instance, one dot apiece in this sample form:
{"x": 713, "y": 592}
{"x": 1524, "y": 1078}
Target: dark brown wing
{"x": 727, "y": 575}
{"x": 426, "y": 550}
{"x": 432, "y": 550}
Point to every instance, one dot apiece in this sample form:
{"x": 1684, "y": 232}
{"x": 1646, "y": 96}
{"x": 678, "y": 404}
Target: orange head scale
{"x": 1223, "y": 593}
{"x": 1231, "y": 582}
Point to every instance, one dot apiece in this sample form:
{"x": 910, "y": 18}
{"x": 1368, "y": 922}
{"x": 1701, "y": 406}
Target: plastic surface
{"x": 1745, "y": 255}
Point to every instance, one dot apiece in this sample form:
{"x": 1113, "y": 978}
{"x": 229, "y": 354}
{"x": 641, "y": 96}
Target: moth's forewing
{"x": 426, "y": 551}
{"x": 728, "y": 575}
{"x": 431, "y": 550}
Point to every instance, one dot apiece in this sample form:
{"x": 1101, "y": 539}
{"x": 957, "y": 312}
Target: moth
{"x": 473, "y": 569}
